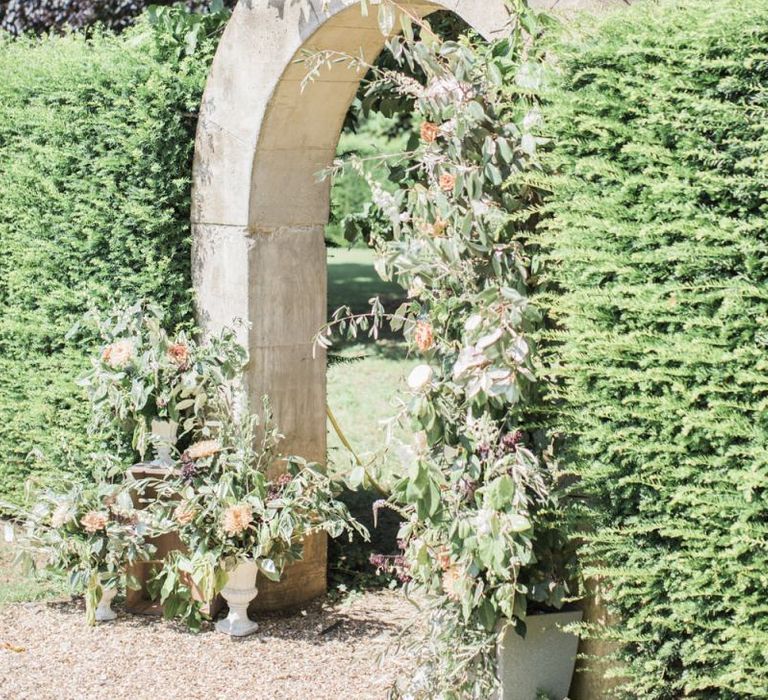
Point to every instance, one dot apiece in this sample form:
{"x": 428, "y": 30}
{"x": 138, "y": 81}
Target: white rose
{"x": 416, "y": 288}
{"x": 473, "y": 322}
{"x": 420, "y": 443}
{"x": 420, "y": 377}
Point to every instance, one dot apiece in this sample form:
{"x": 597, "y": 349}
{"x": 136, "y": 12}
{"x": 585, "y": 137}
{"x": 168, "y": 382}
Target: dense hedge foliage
{"x": 40, "y": 16}
{"x": 96, "y": 142}
{"x": 660, "y": 244}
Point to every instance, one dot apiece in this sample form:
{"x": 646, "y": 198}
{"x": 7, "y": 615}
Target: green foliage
{"x": 477, "y": 487}
{"x": 144, "y": 374}
{"x": 660, "y": 253}
{"x": 353, "y": 218}
{"x": 96, "y": 142}
{"x": 226, "y": 507}
{"x": 89, "y": 533}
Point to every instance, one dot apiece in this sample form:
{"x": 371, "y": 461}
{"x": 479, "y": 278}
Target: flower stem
{"x": 351, "y": 450}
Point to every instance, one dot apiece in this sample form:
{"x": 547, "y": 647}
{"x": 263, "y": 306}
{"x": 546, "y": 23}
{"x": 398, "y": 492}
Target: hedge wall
{"x": 660, "y": 249}
{"x": 96, "y": 142}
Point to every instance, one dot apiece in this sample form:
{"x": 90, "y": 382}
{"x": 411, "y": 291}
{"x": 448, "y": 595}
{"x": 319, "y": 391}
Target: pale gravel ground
{"x": 331, "y": 653}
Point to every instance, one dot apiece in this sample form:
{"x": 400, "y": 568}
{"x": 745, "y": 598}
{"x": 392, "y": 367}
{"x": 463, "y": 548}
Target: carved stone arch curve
{"x": 259, "y": 213}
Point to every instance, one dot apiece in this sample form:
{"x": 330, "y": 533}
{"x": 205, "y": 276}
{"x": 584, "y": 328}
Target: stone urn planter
{"x": 163, "y": 439}
{"x": 542, "y": 662}
{"x": 239, "y": 591}
{"x": 104, "y": 612}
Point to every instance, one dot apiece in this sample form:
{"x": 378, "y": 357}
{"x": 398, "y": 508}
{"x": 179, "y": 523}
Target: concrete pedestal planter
{"x": 542, "y": 662}
{"x": 239, "y": 591}
{"x": 104, "y": 612}
{"x": 163, "y": 438}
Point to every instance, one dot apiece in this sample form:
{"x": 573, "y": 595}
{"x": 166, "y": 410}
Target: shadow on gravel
{"x": 317, "y": 623}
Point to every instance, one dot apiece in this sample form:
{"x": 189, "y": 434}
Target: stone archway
{"x": 259, "y": 214}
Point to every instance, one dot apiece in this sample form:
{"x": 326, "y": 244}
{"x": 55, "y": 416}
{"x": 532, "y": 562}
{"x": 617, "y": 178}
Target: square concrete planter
{"x": 543, "y": 661}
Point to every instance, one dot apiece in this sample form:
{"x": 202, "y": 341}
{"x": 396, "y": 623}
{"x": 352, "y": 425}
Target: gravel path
{"x": 328, "y": 652}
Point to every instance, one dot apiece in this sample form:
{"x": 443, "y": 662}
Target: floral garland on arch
{"x": 481, "y": 536}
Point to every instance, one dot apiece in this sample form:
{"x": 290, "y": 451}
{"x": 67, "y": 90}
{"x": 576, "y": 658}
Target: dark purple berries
{"x": 188, "y": 467}
{"x": 511, "y": 441}
{"x": 392, "y": 564}
{"x": 277, "y": 487}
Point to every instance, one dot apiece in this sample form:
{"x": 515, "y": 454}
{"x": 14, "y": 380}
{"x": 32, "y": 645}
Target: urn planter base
{"x": 239, "y": 591}
{"x": 542, "y": 662}
{"x": 236, "y": 626}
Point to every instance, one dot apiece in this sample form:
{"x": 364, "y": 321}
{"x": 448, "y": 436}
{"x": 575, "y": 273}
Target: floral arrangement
{"x": 233, "y": 501}
{"x": 143, "y": 373}
{"x": 482, "y": 541}
{"x": 226, "y": 499}
{"x": 91, "y": 533}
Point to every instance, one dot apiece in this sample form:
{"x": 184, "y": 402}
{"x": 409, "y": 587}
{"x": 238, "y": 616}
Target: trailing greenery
{"x": 144, "y": 375}
{"x": 96, "y": 142}
{"x": 660, "y": 251}
{"x": 477, "y": 486}
{"x": 89, "y": 533}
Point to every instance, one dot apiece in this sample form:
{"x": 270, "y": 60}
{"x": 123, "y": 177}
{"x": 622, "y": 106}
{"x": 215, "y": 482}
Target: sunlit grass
{"x": 361, "y": 394}
{"x": 361, "y": 391}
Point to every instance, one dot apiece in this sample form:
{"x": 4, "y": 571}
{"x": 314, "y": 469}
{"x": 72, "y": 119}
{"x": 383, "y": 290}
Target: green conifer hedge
{"x": 659, "y": 240}
{"x": 96, "y": 143}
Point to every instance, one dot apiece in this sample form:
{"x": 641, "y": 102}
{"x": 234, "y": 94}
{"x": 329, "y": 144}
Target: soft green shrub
{"x": 659, "y": 242}
{"x": 96, "y": 142}
{"x": 353, "y": 218}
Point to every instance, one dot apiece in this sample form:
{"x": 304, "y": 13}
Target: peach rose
{"x": 423, "y": 336}
{"x": 179, "y": 354}
{"x": 94, "y": 521}
{"x": 447, "y": 182}
{"x": 184, "y": 514}
{"x": 236, "y": 519}
{"x": 444, "y": 558}
{"x": 118, "y": 354}
{"x": 202, "y": 449}
{"x": 429, "y": 132}
{"x": 452, "y": 577}
{"x": 439, "y": 227}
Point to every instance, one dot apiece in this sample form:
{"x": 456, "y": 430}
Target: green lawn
{"x": 352, "y": 280}
{"x": 361, "y": 392}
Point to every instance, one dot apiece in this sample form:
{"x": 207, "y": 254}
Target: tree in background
{"x": 41, "y": 16}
